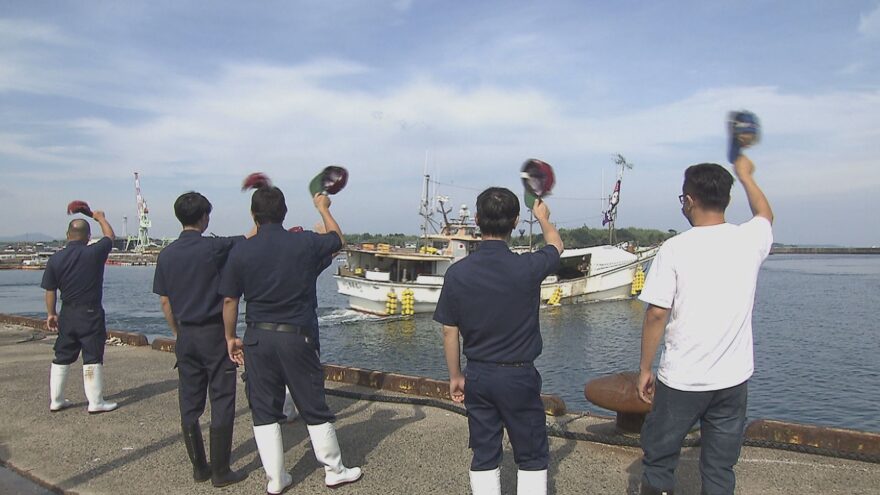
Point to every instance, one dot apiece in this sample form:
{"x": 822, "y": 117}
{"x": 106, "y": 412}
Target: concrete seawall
{"x": 405, "y": 445}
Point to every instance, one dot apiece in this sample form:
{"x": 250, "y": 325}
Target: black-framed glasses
{"x": 681, "y": 198}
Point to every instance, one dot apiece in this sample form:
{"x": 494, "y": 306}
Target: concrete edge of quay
{"x": 767, "y": 433}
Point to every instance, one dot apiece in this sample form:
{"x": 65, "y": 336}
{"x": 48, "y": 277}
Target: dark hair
{"x": 710, "y": 184}
{"x": 78, "y": 229}
{"x": 268, "y": 206}
{"x": 191, "y": 207}
{"x": 497, "y": 210}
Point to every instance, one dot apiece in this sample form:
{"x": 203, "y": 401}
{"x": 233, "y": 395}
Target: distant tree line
{"x": 578, "y": 237}
{"x": 397, "y": 239}
{"x": 587, "y": 237}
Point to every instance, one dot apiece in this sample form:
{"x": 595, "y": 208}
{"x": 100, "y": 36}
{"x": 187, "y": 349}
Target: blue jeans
{"x": 722, "y": 417}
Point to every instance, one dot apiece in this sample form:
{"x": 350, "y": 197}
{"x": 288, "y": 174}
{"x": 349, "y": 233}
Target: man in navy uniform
{"x": 276, "y": 271}
{"x": 186, "y": 280}
{"x": 491, "y": 299}
{"x": 78, "y": 271}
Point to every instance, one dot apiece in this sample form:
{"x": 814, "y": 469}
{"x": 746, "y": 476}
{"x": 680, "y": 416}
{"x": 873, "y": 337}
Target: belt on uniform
{"x": 212, "y": 320}
{"x": 90, "y": 305}
{"x": 281, "y": 327}
{"x": 516, "y": 364}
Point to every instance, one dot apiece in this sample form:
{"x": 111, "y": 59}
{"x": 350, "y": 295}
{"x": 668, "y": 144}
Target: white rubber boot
{"x": 271, "y": 448}
{"x": 57, "y": 380}
{"x": 531, "y": 482}
{"x": 93, "y": 383}
{"x": 486, "y": 482}
{"x": 327, "y": 452}
{"x": 289, "y": 409}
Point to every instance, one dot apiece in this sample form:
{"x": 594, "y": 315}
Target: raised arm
{"x": 551, "y": 235}
{"x": 745, "y": 169}
{"x": 322, "y": 204}
{"x": 106, "y": 229}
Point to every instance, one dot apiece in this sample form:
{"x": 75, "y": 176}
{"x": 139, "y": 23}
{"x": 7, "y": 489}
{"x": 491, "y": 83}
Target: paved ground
{"x": 404, "y": 449}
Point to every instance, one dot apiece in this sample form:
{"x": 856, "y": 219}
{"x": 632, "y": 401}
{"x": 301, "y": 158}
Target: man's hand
{"x": 235, "y": 347}
{"x": 52, "y": 322}
{"x": 456, "y": 388}
{"x": 98, "y": 215}
{"x": 646, "y": 386}
{"x": 541, "y": 210}
{"x": 322, "y": 201}
{"x": 743, "y": 167}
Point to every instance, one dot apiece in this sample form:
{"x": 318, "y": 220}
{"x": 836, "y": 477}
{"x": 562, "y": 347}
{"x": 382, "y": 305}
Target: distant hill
{"x": 29, "y": 237}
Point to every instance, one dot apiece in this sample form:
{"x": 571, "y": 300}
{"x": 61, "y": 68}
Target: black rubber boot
{"x": 221, "y": 449}
{"x": 650, "y": 490}
{"x": 195, "y": 448}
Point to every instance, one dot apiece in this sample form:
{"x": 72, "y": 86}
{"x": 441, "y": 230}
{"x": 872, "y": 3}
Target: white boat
{"x": 385, "y": 280}
{"x": 600, "y": 273}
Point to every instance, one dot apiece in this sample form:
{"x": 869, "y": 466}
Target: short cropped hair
{"x": 268, "y": 205}
{"x": 709, "y": 183}
{"x": 78, "y": 229}
{"x": 497, "y": 211}
{"x": 191, "y": 207}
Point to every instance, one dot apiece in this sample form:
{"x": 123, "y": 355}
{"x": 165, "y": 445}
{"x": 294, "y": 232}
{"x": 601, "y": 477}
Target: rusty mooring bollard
{"x": 619, "y": 393}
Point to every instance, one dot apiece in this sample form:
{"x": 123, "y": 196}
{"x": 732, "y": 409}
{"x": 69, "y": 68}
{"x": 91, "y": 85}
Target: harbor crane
{"x": 143, "y": 238}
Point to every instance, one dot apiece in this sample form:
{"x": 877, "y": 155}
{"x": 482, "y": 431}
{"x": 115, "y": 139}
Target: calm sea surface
{"x": 817, "y": 351}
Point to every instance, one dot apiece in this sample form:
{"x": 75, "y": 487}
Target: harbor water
{"x": 815, "y": 330}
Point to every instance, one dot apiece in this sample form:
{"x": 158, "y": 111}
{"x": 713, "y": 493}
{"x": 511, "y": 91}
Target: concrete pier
{"x": 403, "y": 448}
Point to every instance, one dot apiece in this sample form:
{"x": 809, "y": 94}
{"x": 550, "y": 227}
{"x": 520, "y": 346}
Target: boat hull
{"x": 371, "y": 296}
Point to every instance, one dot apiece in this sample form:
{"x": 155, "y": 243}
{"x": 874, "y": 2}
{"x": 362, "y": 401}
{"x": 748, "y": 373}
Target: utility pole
{"x": 531, "y": 221}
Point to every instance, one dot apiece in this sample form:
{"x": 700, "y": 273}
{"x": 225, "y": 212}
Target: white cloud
{"x": 22, "y": 31}
{"x": 288, "y": 120}
{"x": 869, "y": 24}
{"x": 402, "y": 5}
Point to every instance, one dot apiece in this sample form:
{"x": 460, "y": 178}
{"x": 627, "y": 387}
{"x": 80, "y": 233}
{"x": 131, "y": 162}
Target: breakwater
{"x": 823, "y": 250}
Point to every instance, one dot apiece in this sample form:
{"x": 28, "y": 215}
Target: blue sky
{"x": 196, "y": 95}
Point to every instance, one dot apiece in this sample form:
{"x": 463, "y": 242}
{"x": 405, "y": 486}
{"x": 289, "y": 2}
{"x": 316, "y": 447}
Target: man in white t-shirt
{"x": 700, "y": 290}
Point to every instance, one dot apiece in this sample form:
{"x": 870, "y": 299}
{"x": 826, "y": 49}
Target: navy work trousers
{"x": 499, "y": 396}
{"x": 204, "y": 368}
{"x": 275, "y": 359}
{"x": 722, "y": 417}
{"x": 80, "y": 328}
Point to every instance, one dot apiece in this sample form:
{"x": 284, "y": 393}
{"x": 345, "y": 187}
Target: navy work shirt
{"x": 276, "y": 272}
{"x": 188, "y": 273}
{"x": 493, "y": 296}
{"x": 78, "y": 270}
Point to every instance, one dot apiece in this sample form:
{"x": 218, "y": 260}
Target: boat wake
{"x": 344, "y": 316}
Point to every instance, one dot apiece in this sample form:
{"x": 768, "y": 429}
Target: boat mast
{"x": 614, "y": 198}
{"x": 425, "y": 209}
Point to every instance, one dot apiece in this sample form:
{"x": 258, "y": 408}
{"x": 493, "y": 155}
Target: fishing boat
{"x": 388, "y": 280}
{"x": 385, "y": 280}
